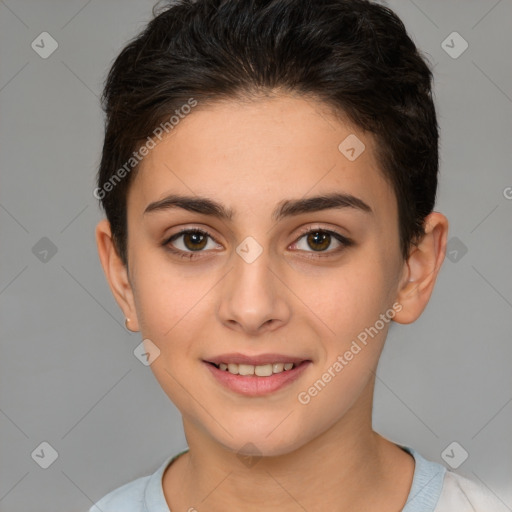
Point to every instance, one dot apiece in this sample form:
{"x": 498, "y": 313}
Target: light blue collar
{"x": 427, "y": 484}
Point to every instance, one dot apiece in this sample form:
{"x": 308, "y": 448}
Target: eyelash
{"x": 344, "y": 241}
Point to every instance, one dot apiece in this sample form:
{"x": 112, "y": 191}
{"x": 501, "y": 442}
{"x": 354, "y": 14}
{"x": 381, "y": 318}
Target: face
{"x": 281, "y": 278}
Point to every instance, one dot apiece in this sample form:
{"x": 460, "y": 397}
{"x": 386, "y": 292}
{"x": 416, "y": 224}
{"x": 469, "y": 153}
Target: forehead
{"x": 251, "y": 155}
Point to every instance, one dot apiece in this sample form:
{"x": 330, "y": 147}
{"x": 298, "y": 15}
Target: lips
{"x": 256, "y": 375}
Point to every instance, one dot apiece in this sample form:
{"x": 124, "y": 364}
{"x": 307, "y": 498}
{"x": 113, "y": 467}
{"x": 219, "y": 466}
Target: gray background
{"x": 68, "y": 373}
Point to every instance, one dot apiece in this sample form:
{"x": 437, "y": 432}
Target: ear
{"x": 421, "y": 269}
{"x": 116, "y": 273}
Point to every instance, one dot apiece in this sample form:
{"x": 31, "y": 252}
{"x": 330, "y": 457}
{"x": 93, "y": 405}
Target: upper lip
{"x": 237, "y": 358}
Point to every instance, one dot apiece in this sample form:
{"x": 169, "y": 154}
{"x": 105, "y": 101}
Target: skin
{"x": 250, "y": 156}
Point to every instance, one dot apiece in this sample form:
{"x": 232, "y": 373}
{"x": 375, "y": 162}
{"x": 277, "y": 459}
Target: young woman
{"x": 269, "y": 174}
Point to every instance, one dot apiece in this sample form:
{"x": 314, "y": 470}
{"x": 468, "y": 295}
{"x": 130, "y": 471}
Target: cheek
{"x": 347, "y": 300}
{"x": 352, "y": 309}
{"x": 167, "y": 298}
{"x": 170, "y": 308}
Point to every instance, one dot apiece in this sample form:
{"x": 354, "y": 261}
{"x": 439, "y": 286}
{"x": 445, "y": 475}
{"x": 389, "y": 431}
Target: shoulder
{"x": 127, "y": 498}
{"x": 437, "y": 489}
{"x": 465, "y": 495}
{"x": 145, "y": 494}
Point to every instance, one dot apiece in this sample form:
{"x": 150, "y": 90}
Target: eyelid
{"x": 308, "y": 229}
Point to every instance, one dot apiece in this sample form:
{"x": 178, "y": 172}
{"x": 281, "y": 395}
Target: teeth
{"x": 245, "y": 369}
{"x": 263, "y": 370}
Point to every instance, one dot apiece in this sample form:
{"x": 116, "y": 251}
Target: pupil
{"x": 313, "y": 239}
{"x": 195, "y": 237}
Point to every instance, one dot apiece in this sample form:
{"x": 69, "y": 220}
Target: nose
{"x": 253, "y": 296}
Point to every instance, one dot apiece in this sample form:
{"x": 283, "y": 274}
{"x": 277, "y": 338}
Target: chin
{"x": 261, "y": 441}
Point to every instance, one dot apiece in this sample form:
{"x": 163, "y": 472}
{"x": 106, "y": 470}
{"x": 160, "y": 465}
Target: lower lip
{"x": 252, "y": 385}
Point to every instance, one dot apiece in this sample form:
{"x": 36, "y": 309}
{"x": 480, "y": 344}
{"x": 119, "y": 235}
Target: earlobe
{"x": 422, "y": 268}
{"x": 116, "y": 272}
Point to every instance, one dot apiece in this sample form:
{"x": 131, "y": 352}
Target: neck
{"x": 348, "y": 467}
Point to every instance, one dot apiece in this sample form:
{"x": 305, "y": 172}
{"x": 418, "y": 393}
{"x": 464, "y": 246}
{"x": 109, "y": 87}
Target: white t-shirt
{"x": 434, "y": 489}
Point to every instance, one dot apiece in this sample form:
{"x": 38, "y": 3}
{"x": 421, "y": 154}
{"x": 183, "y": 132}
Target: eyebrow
{"x": 286, "y": 208}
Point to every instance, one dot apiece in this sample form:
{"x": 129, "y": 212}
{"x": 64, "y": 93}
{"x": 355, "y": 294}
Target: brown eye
{"x": 189, "y": 241}
{"x": 194, "y": 240}
{"x": 318, "y": 240}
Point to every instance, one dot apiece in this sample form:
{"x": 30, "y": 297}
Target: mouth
{"x": 256, "y": 376}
